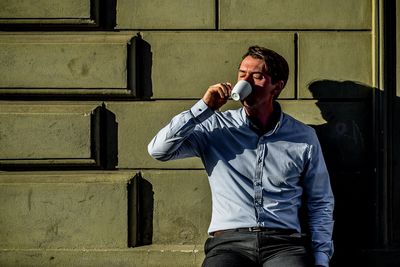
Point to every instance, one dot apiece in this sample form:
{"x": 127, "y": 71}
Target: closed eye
{"x": 258, "y": 76}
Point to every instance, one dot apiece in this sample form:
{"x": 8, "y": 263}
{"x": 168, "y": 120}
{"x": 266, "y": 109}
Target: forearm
{"x": 320, "y": 205}
{"x": 169, "y": 143}
{"x": 321, "y": 238}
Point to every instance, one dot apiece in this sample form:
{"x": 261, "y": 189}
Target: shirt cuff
{"x": 321, "y": 258}
{"x": 201, "y": 111}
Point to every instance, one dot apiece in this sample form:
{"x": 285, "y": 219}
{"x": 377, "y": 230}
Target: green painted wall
{"x": 80, "y": 100}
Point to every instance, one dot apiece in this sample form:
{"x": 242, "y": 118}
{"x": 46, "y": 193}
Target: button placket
{"x": 258, "y": 180}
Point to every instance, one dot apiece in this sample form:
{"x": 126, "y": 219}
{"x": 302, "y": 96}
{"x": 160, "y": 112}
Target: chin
{"x": 247, "y": 105}
{"x": 250, "y": 110}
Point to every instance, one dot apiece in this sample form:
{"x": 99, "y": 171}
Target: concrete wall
{"x": 81, "y": 98}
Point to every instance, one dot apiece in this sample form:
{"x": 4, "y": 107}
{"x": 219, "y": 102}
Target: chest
{"x": 277, "y": 159}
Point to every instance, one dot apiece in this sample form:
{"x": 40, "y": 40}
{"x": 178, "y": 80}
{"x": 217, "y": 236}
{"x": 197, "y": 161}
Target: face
{"x": 255, "y": 71}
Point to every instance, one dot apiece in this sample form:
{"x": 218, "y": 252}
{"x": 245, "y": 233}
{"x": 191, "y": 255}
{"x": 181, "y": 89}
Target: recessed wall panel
{"x": 335, "y": 64}
{"x": 295, "y": 14}
{"x": 185, "y": 64}
{"x": 171, "y": 225}
{"x": 171, "y": 14}
{"x": 50, "y": 135}
{"x": 64, "y": 63}
{"x": 48, "y": 12}
{"x": 57, "y": 210}
{"x": 36, "y": 136}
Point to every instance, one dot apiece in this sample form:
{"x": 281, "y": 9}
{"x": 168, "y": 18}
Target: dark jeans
{"x": 247, "y": 249}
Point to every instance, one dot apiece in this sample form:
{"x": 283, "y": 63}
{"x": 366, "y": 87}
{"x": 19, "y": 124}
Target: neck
{"x": 264, "y": 119}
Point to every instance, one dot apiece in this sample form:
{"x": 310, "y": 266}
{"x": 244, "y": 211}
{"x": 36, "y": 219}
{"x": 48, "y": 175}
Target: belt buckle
{"x": 255, "y": 229}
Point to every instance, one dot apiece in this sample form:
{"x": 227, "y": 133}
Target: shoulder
{"x": 226, "y": 118}
{"x": 296, "y": 123}
{"x": 301, "y": 129}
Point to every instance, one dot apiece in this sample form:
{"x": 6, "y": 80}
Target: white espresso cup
{"x": 241, "y": 90}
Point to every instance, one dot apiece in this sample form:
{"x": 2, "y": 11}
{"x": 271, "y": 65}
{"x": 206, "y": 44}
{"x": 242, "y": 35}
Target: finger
{"x": 226, "y": 87}
{"x": 222, "y": 92}
{"x": 214, "y": 92}
{"x": 229, "y": 87}
{"x": 218, "y": 89}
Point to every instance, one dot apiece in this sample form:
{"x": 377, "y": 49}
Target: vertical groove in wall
{"x": 376, "y": 107}
{"x": 390, "y": 93}
{"x": 140, "y": 211}
{"x": 384, "y": 113}
{"x": 296, "y": 65}
{"x": 217, "y": 15}
{"x": 375, "y": 44}
{"x": 378, "y": 113}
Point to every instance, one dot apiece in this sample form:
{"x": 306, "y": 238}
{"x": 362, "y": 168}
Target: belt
{"x": 276, "y": 231}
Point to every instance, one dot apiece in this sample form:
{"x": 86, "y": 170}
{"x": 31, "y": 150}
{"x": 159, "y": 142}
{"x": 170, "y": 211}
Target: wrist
{"x": 201, "y": 111}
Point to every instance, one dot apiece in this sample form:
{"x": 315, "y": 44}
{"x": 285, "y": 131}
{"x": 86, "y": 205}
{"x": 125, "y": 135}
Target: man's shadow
{"x": 348, "y": 147}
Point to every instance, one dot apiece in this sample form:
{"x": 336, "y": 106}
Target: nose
{"x": 247, "y": 77}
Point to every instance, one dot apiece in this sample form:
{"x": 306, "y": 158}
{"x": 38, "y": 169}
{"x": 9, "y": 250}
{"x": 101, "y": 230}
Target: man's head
{"x": 277, "y": 66}
{"x": 267, "y": 72}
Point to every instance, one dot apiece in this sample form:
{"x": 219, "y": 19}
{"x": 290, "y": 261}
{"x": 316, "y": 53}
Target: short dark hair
{"x": 278, "y": 67}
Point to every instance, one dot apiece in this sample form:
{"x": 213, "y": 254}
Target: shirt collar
{"x": 277, "y": 112}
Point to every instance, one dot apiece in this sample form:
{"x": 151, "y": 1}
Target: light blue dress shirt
{"x": 255, "y": 180}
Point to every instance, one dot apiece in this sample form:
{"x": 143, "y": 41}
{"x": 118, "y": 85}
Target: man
{"x": 261, "y": 164}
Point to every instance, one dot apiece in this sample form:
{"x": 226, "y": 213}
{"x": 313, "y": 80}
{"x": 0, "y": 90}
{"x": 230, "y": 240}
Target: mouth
{"x": 248, "y": 99}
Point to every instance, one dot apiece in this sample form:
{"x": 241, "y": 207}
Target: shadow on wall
{"x": 139, "y": 67}
{"x": 107, "y": 14}
{"x": 105, "y": 130}
{"x": 140, "y": 211}
{"x": 348, "y": 147}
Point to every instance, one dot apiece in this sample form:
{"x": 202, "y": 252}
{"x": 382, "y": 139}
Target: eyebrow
{"x": 255, "y": 72}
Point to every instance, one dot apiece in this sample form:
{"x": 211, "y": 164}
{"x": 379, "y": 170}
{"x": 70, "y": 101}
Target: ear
{"x": 279, "y": 85}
